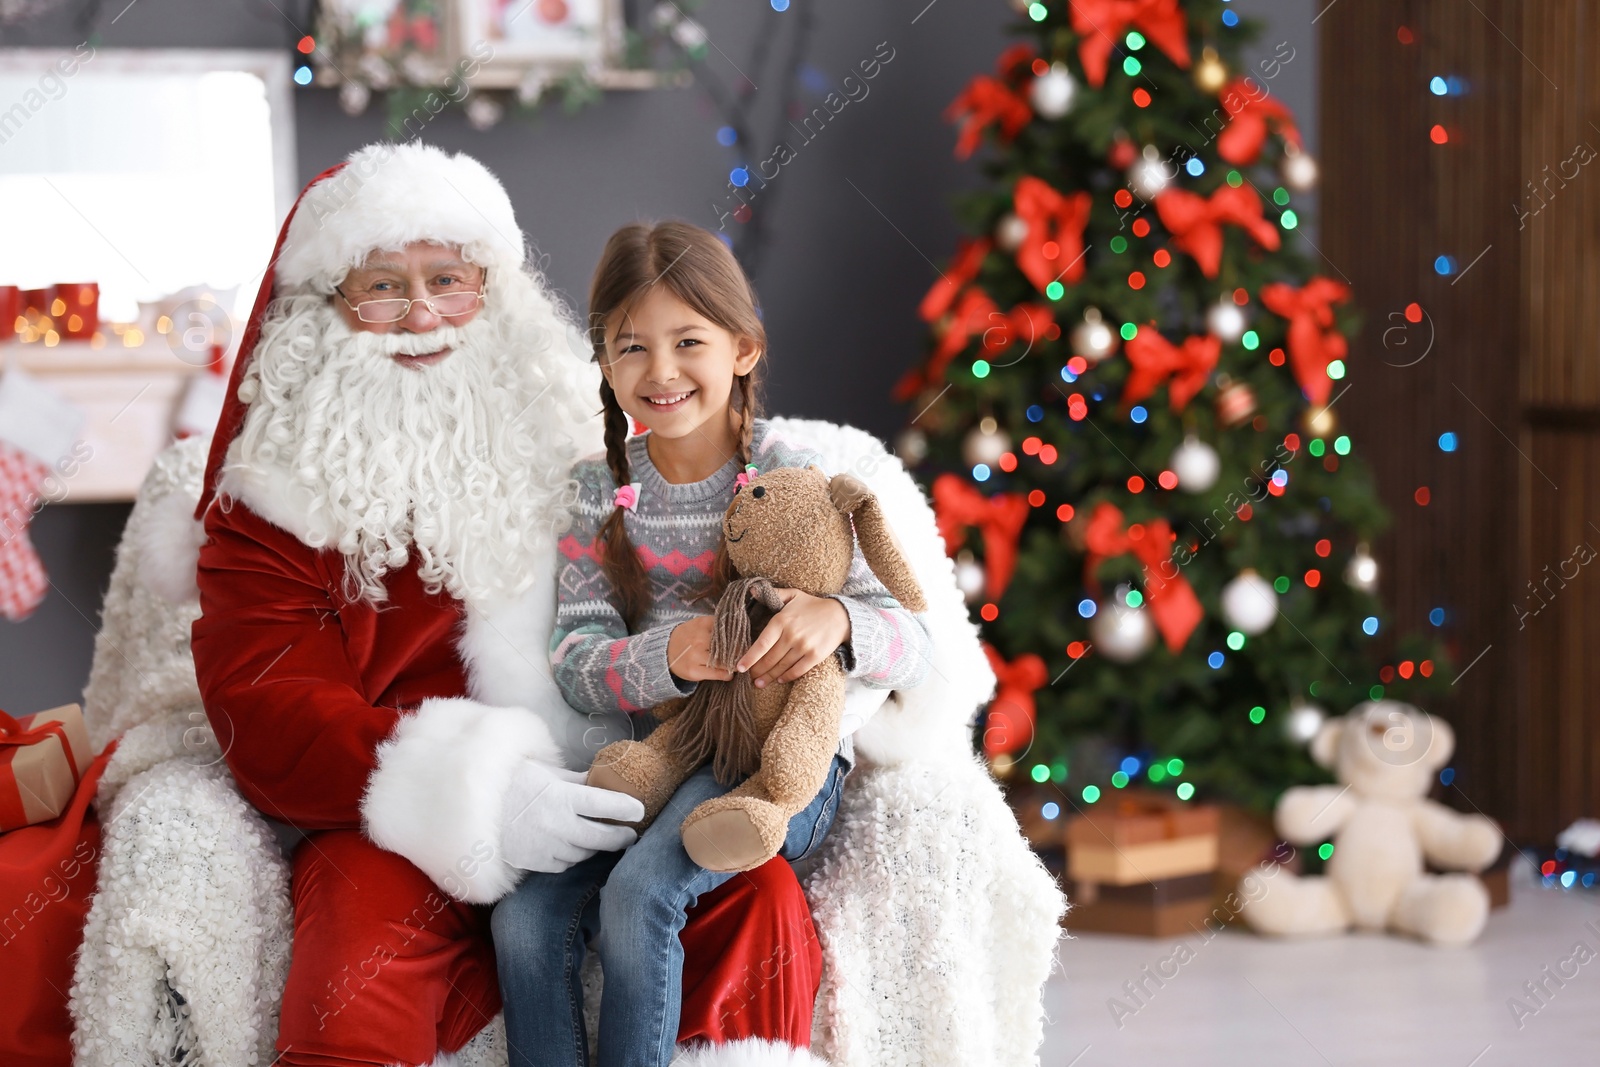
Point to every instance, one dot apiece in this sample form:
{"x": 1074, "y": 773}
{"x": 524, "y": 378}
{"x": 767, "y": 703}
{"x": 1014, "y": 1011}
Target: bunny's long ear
{"x": 882, "y": 552}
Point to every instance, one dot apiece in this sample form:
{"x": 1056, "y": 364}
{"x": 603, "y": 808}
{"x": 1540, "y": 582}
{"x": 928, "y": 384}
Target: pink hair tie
{"x": 627, "y": 496}
{"x": 744, "y": 477}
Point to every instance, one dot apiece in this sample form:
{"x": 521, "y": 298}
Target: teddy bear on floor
{"x": 1385, "y": 755}
{"x": 788, "y": 528}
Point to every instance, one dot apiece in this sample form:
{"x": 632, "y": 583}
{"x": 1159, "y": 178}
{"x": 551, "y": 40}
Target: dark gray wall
{"x": 860, "y": 214}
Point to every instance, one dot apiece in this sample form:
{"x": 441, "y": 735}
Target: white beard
{"x": 465, "y": 462}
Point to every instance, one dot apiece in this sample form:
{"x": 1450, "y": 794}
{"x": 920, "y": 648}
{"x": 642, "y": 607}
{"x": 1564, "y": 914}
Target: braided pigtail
{"x": 722, "y": 572}
{"x": 619, "y": 559}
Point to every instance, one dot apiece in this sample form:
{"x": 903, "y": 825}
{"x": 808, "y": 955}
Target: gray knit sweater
{"x": 601, "y": 665}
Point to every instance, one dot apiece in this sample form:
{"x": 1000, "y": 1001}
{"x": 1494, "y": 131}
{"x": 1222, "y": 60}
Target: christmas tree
{"x": 1128, "y": 418}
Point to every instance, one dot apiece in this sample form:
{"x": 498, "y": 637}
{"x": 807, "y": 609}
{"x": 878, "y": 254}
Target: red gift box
{"x": 42, "y": 758}
{"x": 10, "y": 311}
{"x": 76, "y": 309}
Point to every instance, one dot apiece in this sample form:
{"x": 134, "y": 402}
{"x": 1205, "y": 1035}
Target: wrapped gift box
{"x": 42, "y": 757}
{"x": 1165, "y": 907}
{"x": 1142, "y": 837}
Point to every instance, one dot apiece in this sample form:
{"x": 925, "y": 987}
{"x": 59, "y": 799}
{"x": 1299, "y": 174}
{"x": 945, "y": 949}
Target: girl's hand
{"x": 807, "y": 631}
{"x": 689, "y": 651}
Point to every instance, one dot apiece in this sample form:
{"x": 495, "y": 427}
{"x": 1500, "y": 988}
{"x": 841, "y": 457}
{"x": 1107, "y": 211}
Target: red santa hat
{"x": 382, "y": 198}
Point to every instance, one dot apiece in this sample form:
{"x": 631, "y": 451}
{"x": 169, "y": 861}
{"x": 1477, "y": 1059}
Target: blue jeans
{"x": 541, "y": 932}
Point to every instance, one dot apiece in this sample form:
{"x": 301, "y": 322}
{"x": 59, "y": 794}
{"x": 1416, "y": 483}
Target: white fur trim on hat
{"x": 436, "y": 795}
{"x": 388, "y": 196}
{"x": 749, "y": 1052}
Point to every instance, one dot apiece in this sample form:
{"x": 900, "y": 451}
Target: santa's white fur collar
{"x": 502, "y": 640}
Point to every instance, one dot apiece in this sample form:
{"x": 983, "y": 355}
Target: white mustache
{"x": 402, "y": 343}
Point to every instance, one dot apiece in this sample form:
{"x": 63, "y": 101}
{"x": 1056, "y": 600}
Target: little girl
{"x": 677, "y": 335}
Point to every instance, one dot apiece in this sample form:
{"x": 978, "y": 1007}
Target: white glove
{"x": 860, "y": 703}
{"x": 549, "y": 819}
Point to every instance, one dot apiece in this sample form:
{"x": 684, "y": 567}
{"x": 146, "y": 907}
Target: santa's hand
{"x": 551, "y": 818}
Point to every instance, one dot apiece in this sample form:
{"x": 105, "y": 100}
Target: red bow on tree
{"x": 1054, "y": 220}
{"x": 1099, "y": 25}
{"x": 1249, "y": 108}
{"x": 1196, "y": 223}
{"x": 962, "y": 272}
{"x": 999, "y": 518}
{"x": 1172, "y": 603}
{"x": 1313, "y": 342}
{"x": 1012, "y": 712}
{"x": 986, "y": 100}
{"x": 1154, "y": 360}
{"x": 974, "y": 311}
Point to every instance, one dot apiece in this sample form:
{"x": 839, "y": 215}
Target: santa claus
{"x": 380, "y": 508}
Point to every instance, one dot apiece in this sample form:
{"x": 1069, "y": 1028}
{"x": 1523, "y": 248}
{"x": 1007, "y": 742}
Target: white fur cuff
{"x": 437, "y": 794}
{"x": 750, "y": 1052}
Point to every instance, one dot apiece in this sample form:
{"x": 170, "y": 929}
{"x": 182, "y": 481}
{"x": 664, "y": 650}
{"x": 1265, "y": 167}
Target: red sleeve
{"x": 283, "y": 697}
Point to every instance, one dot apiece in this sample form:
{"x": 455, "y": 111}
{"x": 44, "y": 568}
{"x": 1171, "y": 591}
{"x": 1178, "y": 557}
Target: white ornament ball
{"x": 1303, "y": 722}
{"x": 1010, "y": 232}
{"x": 1196, "y": 464}
{"x": 532, "y": 87}
{"x": 911, "y": 446}
{"x": 1092, "y": 338}
{"x": 354, "y": 98}
{"x": 1121, "y": 633}
{"x": 986, "y": 443}
{"x": 970, "y": 577}
{"x": 375, "y": 71}
{"x": 1226, "y": 320}
{"x": 1149, "y": 175}
{"x": 1299, "y": 170}
{"x": 1362, "y": 570}
{"x": 689, "y": 34}
{"x": 1249, "y": 603}
{"x": 666, "y": 14}
{"x": 1052, "y": 92}
{"x": 483, "y": 111}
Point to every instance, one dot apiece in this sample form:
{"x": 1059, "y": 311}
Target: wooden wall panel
{"x": 1557, "y": 602}
{"x": 1393, "y": 201}
{"x": 1558, "y": 204}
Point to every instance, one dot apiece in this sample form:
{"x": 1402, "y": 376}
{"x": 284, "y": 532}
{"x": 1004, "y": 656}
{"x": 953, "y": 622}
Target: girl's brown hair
{"x": 698, "y": 269}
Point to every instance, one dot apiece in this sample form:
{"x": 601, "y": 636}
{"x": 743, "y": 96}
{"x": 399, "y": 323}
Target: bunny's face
{"x": 784, "y": 526}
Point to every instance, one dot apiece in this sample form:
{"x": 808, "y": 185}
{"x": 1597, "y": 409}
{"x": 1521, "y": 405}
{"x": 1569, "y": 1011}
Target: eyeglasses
{"x": 444, "y": 305}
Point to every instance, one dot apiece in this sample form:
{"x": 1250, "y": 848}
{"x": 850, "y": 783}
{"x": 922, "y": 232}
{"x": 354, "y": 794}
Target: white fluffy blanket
{"x": 938, "y": 924}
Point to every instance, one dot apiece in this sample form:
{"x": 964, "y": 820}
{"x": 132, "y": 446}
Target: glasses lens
{"x": 450, "y": 304}
{"x": 382, "y": 310}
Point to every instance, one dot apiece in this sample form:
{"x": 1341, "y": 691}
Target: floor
{"x": 1365, "y": 999}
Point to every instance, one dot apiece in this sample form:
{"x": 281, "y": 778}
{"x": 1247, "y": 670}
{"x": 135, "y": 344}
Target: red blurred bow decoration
{"x": 1196, "y": 223}
{"x": 1313, "y": 342}
{"x": 1249, "y": 108}
{"x": 1171, "y": 602}
{"x": 986, "y": 100}
{"x": 1153, "y": 360}
{"x": 999, "y": 518}
{"x": 962, "y": 272}
{"x": 1012, "y": 712}
{"x": 975, "y": 312}
{"x": 1099, "y": 25}
{"x": 1056, "y": 220}
{"x": 1014, "y": 64}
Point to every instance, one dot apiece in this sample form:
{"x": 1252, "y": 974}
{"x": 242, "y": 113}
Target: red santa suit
{"x": 390, "y": 735}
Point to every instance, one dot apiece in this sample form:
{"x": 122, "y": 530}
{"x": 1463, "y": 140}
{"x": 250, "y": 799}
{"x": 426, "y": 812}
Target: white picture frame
{"x": 540, "y": 34}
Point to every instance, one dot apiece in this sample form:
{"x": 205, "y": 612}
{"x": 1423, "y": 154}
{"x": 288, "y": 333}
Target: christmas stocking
{"x": 37, "y": 427}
